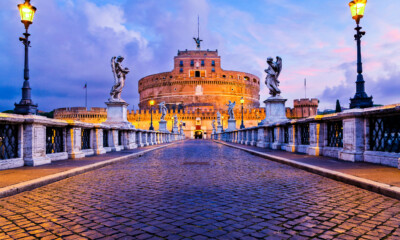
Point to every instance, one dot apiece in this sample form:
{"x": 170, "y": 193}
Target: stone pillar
{"x": 130, "y": 142}
{"x": 98, "y": 141}
{"x": 293, "y": 139}
{"x": 354, "y": 136}
{"x": 34, "y": 152}
{"x": 139, "y": 138}
{"x": 255, "y": 137}
{"x": 249, "y": 137}
{"x": 154, "y": 139}
{"x": 114, "y": 141}
{"x": 144, "y": 139}
{"x": 277, "y": 142}
{"x": 74, "y": 142}
{"x": 316, "y": 139}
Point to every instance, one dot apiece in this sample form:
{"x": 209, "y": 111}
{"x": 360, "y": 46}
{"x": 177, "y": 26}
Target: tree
{"x": 338, "y": 107}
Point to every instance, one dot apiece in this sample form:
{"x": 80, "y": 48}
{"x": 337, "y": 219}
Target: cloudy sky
{"x": 74, "y": 40}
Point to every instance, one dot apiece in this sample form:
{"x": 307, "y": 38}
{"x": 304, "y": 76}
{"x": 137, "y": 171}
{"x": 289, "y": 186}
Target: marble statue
{"x": 219, "y": 118}
{"x": 273, "y": 71}
{"x": 231, "y": 105}
{"x": 176, "y": 121}
{"x": 119, "y": 78}
{"x": 163, "y": 110}
{"x": 213, "y": 125}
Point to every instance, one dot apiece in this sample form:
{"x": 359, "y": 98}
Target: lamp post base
{"x": 361, "y": 102}
{"x": 25, "y": 108}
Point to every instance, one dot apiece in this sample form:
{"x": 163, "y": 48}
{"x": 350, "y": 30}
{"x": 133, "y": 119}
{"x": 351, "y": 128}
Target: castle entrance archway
{"x": 198, "y": 134}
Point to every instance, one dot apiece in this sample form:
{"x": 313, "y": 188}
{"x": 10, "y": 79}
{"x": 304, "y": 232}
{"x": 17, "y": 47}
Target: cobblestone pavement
{"x": 199, "y": 190}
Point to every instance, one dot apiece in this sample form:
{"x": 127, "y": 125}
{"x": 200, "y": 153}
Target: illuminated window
{"x": 203, "y": 73}
{"x": 246, "y": 78}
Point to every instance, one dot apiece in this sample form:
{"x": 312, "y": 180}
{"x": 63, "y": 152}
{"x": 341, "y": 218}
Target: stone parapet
{"x": 356, "y": 135}
{"x": 37, "y": 140}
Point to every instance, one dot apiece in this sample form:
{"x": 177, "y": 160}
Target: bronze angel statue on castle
{"x": 273, "y": 71}
{"x": 119, "y": 77}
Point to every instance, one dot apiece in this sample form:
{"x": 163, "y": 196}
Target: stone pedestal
{"x": 117, "y": 115}
{"x": 34, "y": 149}
{"x": 219, "y": 129}
{"x": 274, "y": 110}
{"x": 163, "y": 126}
{"x": 175, "y": 130}
{"x": 231, "y": 125}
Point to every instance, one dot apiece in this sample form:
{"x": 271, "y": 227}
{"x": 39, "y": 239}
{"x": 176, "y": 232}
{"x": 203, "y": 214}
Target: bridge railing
{"x": 356, "y": 135}
{"x": 36, "y": 140}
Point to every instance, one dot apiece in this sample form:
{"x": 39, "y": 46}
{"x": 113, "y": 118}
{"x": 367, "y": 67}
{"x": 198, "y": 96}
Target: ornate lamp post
{"x": 242, "y": 125}
{"x": 361, "y": 99}
{"x": 26, "y": 106}
{"x": 172, "y": 123}
{"x": 151, "y": 102}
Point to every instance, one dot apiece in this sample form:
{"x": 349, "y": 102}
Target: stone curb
{"x": 377, "y": 187}
{"x": 42, "y": 181}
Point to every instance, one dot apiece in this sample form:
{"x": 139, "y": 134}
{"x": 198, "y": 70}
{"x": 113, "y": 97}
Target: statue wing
{"x": 279, "y": 65}
{"x": 113, "y": 69}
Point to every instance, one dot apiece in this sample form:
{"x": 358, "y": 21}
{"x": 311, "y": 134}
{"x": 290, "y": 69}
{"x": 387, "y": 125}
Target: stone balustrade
{"x": 36, "y": 140}
{"x": 357, "y": 135}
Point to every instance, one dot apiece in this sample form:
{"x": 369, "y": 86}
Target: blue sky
{"x": 74, "y": 40}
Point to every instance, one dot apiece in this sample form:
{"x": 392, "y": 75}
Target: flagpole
{"x": 305, "y": 88}
{"x": 86, "y": 96}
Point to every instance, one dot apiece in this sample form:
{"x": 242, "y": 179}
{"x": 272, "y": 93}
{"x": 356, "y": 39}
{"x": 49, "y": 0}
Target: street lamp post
{"x": 361, "y": 99}
{"x": 26, "y": 106}
{"x": 172, "y": 123}
{"x": 242, "y": 125}
{"x": 151, "y": 114}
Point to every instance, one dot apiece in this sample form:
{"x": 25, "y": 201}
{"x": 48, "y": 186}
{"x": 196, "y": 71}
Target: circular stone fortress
{"x": 198, "y": 82}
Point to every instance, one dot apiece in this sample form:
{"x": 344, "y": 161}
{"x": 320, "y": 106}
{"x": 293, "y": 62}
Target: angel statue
{"x": 219, "y": 118}
{"x": 119, "y": 77}
{"x": 273, "y": 72}
{"x": 163, "y": 110}
{"x": 198, "y": 41}
{"x": 213, "y": 125}
{"x": 231, "y": 105}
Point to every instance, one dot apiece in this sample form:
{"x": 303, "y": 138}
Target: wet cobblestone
{"x": 199, "y": 190}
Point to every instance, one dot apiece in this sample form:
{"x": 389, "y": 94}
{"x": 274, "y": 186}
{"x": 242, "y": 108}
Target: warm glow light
{"x": 242, "y": 100}
{"x": 357, "y": 8}
{"x": 151, "y": 102}
{"x": 27, "y": 11}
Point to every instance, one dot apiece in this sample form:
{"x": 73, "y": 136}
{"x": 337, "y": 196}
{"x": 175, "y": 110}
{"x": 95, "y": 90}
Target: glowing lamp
{"x": 357, "y": 8}
{"x": 27, "y": 11}
{"x": 242, "y": 100}
{"x": 151, "y": 102}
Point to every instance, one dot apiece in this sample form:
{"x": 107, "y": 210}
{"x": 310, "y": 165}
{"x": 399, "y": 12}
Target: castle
{"x": 195, "y": 90}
